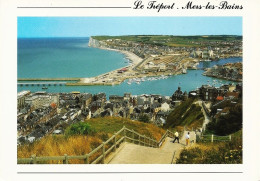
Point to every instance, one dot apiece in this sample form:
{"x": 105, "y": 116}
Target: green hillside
{"x": 187, "y": 114}
{"x": 170, "y": 40}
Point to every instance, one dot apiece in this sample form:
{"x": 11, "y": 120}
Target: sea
{"x": 71, "y": 57}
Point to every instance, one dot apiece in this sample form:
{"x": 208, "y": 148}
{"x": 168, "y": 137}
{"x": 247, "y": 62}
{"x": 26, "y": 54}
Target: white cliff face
{"x": 96, "y": 43}
{"x": 93, "y": 43}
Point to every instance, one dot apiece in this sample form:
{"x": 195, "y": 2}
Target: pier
{"x": 41, "y": 83}
{"x": 48, "y": 79}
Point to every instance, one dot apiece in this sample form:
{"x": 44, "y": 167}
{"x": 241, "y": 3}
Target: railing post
{"x": 34, "y": 159}
{"x": 103, "y": 153}
{"x": 115, "y": 142}
{"x": 212, "y": 138}
{"x": 139, "y": 140}
{"x": 124, "y": 134}
{"x": 133, "y": 136}
{"x": 229, "y": 137}
{"x": 66, "y": 161}
{"x": 86, "y": 160}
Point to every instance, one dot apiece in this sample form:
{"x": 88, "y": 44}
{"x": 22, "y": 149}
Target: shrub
{"x": 229, "y": 123}
{"x": 81, "y": 128}
{"x": 143, "y": 118}
{"x": 214, "y": 153}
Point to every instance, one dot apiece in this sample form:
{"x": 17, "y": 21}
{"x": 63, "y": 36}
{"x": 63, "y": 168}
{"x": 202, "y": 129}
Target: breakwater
{"x": 48, "y": 79}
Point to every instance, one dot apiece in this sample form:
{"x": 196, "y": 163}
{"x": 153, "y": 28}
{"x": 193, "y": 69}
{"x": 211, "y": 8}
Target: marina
{"x": 122, "y": 77}
{"x": 149, "y": 85}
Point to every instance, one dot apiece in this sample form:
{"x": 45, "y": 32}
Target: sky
{"x": 91, "y": 26}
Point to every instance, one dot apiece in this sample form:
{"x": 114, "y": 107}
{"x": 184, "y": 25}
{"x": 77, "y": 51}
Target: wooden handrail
{"x": 95, "y": 150}
{"x": 145, "y": 141}
{"x": 66, "y": 158}
{"x": 140, "y": 134}
{"x": 162, "y": 138}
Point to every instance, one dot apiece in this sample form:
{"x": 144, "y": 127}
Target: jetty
{"x": 41, "y": 83}
{"x": 48, "y": 79}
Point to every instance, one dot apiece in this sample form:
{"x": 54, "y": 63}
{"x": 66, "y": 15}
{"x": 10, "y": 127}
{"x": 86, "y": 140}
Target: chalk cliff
{"x": 96, "y": 43}
{"x": 93, "y": 43}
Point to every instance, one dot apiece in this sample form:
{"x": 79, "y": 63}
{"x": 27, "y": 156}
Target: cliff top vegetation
{"x": 170, "y": 40}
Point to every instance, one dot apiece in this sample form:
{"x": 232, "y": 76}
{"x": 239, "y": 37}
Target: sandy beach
{"x": 129, "y": 55}
{"x": 113, "y": 77}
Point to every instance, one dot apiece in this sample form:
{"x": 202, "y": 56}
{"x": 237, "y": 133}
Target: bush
{"x": 144, "y": 118}
{"x": 229, "y": 123}
{"x": 81, "y": 128}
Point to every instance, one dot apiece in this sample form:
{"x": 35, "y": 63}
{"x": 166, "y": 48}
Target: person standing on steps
{"x": 187, "y": 138}
{"x": 176, "y": 134}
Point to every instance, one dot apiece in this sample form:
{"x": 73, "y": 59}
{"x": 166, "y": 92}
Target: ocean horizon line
{"x": 124, "y": 35}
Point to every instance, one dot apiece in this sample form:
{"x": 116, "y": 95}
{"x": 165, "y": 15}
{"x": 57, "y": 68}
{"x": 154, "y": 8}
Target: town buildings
{"x": 41, "y": 113}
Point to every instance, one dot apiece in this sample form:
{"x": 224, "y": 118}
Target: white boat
{"x": 164, "y": 77}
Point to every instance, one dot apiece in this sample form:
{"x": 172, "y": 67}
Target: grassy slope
{"x": 187, "y": 114}
{"x": 80, "y": 145}
{"x": 214, "y": 153}
{"x": 114, "y": 124}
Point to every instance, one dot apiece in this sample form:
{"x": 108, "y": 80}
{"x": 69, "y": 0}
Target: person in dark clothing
{"x": 176, "y": 134}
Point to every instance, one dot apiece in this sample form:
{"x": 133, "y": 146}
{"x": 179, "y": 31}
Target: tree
{"x": 227, "y": 124}
{"x": 80, "y": 128}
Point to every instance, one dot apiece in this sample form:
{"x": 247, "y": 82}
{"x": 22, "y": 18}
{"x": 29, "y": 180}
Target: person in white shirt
{"x": 176, "y": 134}
{"x": 187, "y": 138}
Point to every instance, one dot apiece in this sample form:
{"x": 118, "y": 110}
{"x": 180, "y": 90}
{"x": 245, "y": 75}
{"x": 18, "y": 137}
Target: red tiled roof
{"x": 220, "y": 98}
{"x": 124, "y": 69}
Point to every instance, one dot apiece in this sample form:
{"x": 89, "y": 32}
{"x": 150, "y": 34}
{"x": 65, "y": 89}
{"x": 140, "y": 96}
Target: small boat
{"x": 44, "y": 87}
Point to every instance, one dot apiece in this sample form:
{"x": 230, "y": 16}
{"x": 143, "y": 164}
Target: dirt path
{"x": 207, "y": 119}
